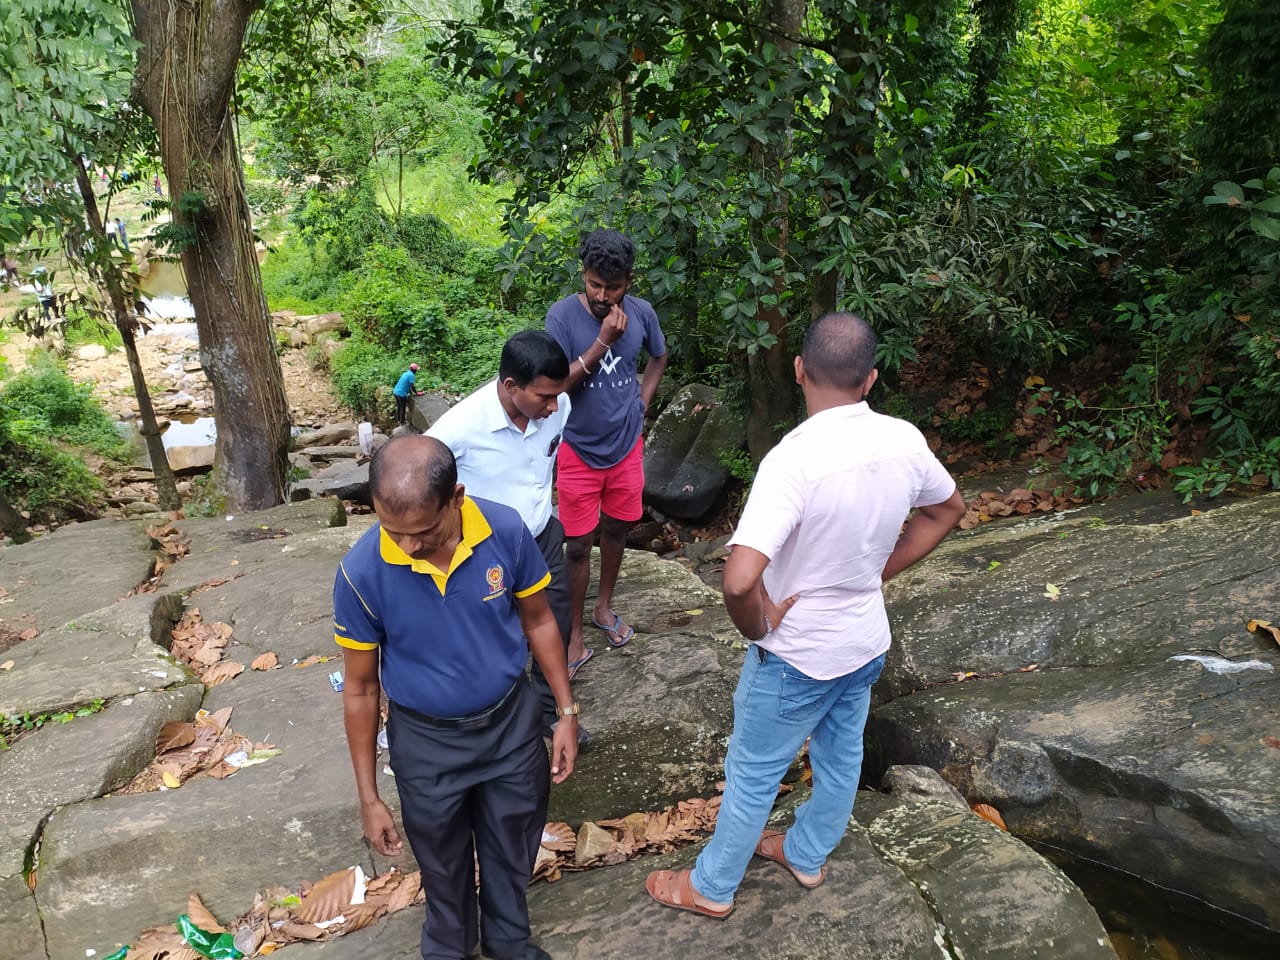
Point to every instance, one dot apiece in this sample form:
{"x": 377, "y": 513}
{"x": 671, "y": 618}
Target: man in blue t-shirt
{"x": 434, "y": 604}
{"x": 601, "y": 462}
{"x": 405, "y": 388}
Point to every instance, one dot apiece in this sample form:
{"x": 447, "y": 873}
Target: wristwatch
{"x": 768, "y": 629}
{"x": 570, "y": 711}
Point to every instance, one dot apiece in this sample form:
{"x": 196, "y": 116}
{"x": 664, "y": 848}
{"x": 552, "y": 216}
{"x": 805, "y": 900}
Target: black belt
{"x": 475, "y": 721}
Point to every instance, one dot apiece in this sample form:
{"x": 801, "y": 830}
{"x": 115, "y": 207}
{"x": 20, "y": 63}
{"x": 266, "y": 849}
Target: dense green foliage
{"x": 47, "y": 423}
{"x": 1078, "y": 191}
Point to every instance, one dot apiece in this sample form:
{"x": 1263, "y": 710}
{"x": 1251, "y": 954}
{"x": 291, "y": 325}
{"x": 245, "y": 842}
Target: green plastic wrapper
{"x": 215, "y": 946}
{"x": 118, "y": 955}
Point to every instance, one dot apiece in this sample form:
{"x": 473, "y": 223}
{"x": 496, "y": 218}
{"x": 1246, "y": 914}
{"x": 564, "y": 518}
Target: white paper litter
{"x": 1221, "y": 665}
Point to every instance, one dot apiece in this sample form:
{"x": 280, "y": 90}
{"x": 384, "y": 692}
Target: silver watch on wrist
{"x": 768, "y": 629}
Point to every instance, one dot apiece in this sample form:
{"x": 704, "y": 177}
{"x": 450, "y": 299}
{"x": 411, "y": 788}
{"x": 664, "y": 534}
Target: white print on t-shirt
{"x": 608, "y": 363}
{"x": 597, "y": 384}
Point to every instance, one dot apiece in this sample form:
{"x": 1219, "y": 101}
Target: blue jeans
{"x": 774, "y": 709}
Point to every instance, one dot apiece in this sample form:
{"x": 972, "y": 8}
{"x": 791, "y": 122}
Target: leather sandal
{"x": 673, "y": 888}
{"x": 770, "y": 847}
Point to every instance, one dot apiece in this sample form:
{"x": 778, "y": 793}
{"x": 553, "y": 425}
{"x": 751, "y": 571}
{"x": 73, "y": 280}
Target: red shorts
{"x": 586, "y": 491}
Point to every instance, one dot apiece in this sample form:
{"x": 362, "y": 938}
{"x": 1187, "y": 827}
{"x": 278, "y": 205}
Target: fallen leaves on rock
{"x": 202, "y": 645}
{"x": 203, "y": 747}
{"x": 991, "y": 504}
{"x": 347, "y": 900}
{"x": 988, "y": 812}
{"x": 341, "y": 903}
{"x": 7, "y": 665}
{"x": 171, "y": 546}
{"x": 264, "y": 661}
{"x": 313, "y": 660}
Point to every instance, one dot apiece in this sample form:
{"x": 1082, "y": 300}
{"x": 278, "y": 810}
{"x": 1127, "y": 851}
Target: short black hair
{"x": 531, "y": 354}
{"x": 409, "y": 471}
{"x": 839, "y": 351}
{"x": 608, "y": 254}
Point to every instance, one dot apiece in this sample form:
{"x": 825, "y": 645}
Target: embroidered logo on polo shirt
{"x": 494, "y": 577}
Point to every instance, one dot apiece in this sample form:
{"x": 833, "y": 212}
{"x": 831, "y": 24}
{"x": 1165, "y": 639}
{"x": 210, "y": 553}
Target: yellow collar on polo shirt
{"x": 475, "y": 529}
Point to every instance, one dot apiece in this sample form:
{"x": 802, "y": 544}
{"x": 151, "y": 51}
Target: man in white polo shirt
{"x": 504, "y": 438}
{"x": 821, "y": 531}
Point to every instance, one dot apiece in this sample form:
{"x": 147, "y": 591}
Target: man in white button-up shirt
{"x": 821, "y": 531}
{"x": 504, "y": 438}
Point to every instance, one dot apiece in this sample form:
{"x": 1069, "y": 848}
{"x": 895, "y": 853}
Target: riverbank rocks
{"x": 685, "y": 451}
{"x": 111, "y": 865}
{"x": 1094, "y": 679}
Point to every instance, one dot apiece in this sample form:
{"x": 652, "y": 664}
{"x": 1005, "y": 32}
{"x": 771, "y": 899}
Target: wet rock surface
{"x": 1107, "y": 746}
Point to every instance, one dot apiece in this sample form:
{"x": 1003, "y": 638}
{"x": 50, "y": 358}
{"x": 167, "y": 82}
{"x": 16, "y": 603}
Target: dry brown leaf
{"x": 301, "y": 931}
{"x": 330, "y": 897}
{"x": 221, "y": 673}
{"x": 162, "y": 943}
{"x": 30, "y": 634}
{"x": 593, "y": 842}
{"x": 201, "y": 916}
{"x": 7, "y": 665}
{"x": 175, "y": 734}
{"x": 1257, "y": 626}
{"x": 563, "y": 838}
{"x": 264, "y": 661}
{"x": 1271, "y": 742}
{"x": 217, "y": 721}
{"x": 407, "y": 892}
{"x": 988, "y": 812}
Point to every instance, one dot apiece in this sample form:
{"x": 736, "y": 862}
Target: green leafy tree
{"x": 188, "y": 57}
{"x": 64, "y": 98}
{"x": 735, "y": 143}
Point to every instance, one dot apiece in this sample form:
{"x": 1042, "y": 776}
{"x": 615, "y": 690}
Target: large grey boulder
{"x": 425, "y": 410}
{"x": 684, "y": 470}
{"x": 1107, "y": 747}
{"x": 343, "y": 479}
{"x": 325, "y": 436}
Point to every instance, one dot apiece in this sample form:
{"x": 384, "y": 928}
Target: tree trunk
{"x": 126, "y": 322}
{"x": 185, "y": 79}
{"x": 772, "y": 407}
{"x": 11, "y": 522}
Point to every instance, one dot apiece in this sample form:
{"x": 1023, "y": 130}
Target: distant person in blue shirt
{"x": 602, "y": 332}
{"x": 406, "y": 387}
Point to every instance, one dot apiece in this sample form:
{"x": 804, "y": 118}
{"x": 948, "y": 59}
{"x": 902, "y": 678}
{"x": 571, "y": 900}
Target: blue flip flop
{"x": 612, "y": 630}
{"x": 575, "y": 665}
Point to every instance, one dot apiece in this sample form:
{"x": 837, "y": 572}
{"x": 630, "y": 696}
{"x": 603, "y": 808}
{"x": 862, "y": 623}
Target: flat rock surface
{"x": 107, "y": 559}
{"x": 111, "y": 865}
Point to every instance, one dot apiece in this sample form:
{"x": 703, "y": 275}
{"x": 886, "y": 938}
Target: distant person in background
{"x": 406, "y": 387}
{"x": 8, "y": 269}
{"x": 119, "y": 230}
{"x": 44, "y": 293}
{"x": 159, "y": 189}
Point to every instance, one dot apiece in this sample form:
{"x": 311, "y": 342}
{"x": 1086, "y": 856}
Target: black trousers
{"x": 402, "y": 409}
{"x": 551, "y": 543}
{"x": 468, "y": 796}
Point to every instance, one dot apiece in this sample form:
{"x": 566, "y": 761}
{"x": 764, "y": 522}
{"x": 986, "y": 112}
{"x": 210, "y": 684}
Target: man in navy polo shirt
{"x": 434, "y": 603}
